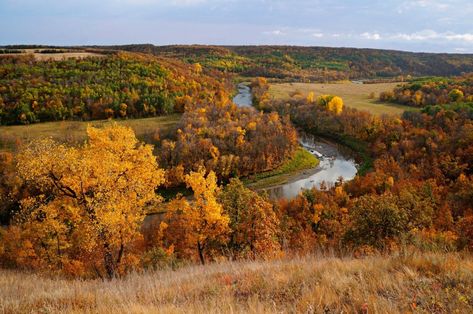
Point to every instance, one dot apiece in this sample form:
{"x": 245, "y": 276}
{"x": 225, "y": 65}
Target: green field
{"x": 302, "y": 160}
{"x": 74, "y": 131}
{"x": 354, "y": 95}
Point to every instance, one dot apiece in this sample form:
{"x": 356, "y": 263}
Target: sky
{"x": 414, "y": 25}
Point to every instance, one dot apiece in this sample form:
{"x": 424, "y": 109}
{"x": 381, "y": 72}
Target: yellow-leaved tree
{"x": 335, "y": 105}
{"x": 310, "y": 97}
{"x": 198, "y": 225}
{"x": 91, "y": 201}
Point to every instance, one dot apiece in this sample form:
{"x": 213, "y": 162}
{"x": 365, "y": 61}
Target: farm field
{"x": 423, "y": 283}
{"x": 354, "y": 95}
{"x": 74, "y": 131}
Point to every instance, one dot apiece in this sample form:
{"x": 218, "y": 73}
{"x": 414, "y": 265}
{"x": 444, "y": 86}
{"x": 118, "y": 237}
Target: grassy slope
{"x": 354, "y": 95}
{"x": 302, "y": 160}
{"x": 431, "y": 283}
{"x": 74, "y": 131}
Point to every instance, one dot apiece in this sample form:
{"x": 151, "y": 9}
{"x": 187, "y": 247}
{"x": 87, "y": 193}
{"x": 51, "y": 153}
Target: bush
{"x": 376, "y": 220}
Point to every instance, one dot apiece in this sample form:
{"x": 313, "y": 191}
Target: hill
{"x": 429, "y": 283}
{"x": 115, "y": 85}
{"x": 313, "y": 63}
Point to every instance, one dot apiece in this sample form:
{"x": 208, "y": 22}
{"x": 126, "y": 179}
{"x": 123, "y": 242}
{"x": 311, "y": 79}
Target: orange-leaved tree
{"x": 91, "y": 199}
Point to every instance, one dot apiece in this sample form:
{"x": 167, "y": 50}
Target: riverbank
{"x": 291, "y": 170}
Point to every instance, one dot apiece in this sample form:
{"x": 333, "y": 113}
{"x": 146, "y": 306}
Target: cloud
{"x": 276, "y": 32}
{"x": 161, "y": 2}
{"x": 431, "y": 35}
{"x": 371, "y": 36}
{"x": 437, "y": 5}
{"x": 318, "y": 35}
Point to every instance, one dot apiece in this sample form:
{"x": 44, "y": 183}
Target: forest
{"x": 112, "y": 86}
{"x": 114, "y": 206}
{"x": 316, "y": 64}
{"x": 430, "y": 91}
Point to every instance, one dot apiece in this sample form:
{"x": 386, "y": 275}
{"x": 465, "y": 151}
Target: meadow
{"x": 406, "y": 283}
{"x": 74, "y": 131}
{"x": 55, "y": 54}
{"x": 359, "y": 96}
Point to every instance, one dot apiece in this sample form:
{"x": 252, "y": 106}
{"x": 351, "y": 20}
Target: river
{"x": 244, "y": 97}
{"x": 336, "y": 161}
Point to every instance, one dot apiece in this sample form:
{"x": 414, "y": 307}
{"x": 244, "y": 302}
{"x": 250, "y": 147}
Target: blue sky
{"x": 415, "y": 25}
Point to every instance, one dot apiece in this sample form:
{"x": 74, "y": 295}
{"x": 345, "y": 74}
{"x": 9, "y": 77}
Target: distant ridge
{"x": 312, "y": 63}
{"x": 302, "y": 63}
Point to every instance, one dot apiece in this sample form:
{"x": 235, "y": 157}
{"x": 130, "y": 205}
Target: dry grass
{"x": 433, "y": 283}
{"x": 354, "y": 95}
{"x": 55, "y": 56}
{"x": 74, "y": 131}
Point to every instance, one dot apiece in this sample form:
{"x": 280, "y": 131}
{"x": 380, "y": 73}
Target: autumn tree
{"x": 10, "y": 187}
{"x": 335, "y": 105}
{"x": 455, "y": 95}
{"x": 375, "y": 220}
{"x": 200, "y": 223}
{"x": 91, "y": 200}
{"x": 254, "y": 225}
{"x": 310, "y": 97}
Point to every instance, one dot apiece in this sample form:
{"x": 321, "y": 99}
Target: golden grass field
{"x": 354, "y": 95}
{"x": 74, "y": 131}
{"x": 418, "y": 283}
{"x": 56, "y": 56}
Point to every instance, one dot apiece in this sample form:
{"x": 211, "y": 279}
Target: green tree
{"x": 253, "y": 223}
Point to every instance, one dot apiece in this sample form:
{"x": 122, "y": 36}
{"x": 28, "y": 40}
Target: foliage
{"x": 118, "y": 85}
{"x": 228, "y": 140}
{"x": 253, "y": 223}
{"x": 432, "y": 91}
{"x": 89, "y": 203}
{"x": 198, "y": 226}
{"x": 375, "y": 220}
{"x": 312, "y": 63}
{"x": 418, "y": 192}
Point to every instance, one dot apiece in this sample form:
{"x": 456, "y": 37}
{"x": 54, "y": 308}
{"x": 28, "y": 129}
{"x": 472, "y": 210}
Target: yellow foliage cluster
{"x": 90, "y": 204}
{"x": 331, "y": 103}
{"x": 194, "y": 226}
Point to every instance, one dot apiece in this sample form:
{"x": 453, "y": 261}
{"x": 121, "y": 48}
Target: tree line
{"x": 318, "y": 64}
{"x": 431, "y": 91}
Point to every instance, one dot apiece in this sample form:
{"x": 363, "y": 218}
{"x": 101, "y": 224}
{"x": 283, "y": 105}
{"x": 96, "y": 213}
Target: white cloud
{"x": 276, "y": 32}
{"x": 438, "y": 5}
{"x": 431, "y": 35}
{"x": 318, "y": 35}
{"x": 371, "y": 36}
{"x": 460, "y": 37}
{"x": 161, "y": 2}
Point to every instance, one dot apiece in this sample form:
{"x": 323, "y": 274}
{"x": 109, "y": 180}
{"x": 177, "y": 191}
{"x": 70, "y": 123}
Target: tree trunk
{"x": 200, "y": 248}
{"x": 108, "y": 261}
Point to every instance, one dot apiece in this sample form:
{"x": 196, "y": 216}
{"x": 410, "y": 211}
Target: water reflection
{"x": 336, "y": 162}
{"x": 244, "y": 97}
